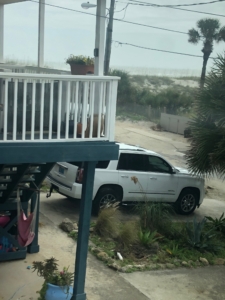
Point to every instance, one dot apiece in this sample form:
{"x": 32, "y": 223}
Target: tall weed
{"x": 107, "y": 224}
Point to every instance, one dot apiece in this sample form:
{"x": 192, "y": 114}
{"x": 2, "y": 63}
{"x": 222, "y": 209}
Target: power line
{"x": 176, "y": 5}
{"x": 159, "y": 50}
{"x": 184, "y": 9}
{"x": 115, "y": 19}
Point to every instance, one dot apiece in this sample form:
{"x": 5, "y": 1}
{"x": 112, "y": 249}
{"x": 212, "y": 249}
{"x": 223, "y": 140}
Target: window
{"x": 102, "y": 164}
{"x": 134, "y": 162}
{"x": 157, "y": 164}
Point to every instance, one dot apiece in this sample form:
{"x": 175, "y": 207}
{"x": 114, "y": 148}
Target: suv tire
{"x": 104, "y": 198}
{"x": 187, "y": 202}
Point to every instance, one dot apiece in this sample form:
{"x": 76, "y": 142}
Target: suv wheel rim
{"x": 107, "y": 200}
{"x": 188, "y": 203}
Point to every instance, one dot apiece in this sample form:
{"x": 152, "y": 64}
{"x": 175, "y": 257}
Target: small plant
{"x": 174, "y": 249}
{"x": 107, "y": 224}
{"x": 80, "y": 60}
{"x": 199, "y": 239}
{"x": 147, "y": 237}
{"x": 218, "y": 224}
{"x": 49, "y": 271}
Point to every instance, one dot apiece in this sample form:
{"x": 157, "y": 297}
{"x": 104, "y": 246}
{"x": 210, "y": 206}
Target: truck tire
{"x": 104, "y": 198}
{"x": 187, "y": 202}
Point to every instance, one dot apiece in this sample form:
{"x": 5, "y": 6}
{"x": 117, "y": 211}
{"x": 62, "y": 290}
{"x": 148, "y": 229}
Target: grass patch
{"x": 155, "y": 240}
{"x": 168, "y": 246}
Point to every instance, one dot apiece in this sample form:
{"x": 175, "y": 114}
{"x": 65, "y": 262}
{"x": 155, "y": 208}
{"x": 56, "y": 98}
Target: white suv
{"x": 159, "y": 181}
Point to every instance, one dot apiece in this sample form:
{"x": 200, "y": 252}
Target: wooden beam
{"x": 39, "y": 152}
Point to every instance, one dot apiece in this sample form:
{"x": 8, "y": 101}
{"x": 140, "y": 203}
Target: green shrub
{"x": 200, "y": 239}
{"x": 107, "y": 224}
{"x": 217, "y": 224}
{"x": 128, "y": 234}
{"x": 155, "y": 216}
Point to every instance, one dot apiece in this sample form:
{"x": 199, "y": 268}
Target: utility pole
{"x": 109, "y": 32}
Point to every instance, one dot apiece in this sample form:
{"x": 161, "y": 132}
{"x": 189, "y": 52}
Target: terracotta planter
{"x": 77, "y": 69}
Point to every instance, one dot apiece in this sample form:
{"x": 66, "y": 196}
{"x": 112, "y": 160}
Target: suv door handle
{"x": 153, "y": 178}
{"x": 124, "y": 176}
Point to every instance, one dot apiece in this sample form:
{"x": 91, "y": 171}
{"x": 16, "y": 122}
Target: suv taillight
{"x": 80, "y": 173}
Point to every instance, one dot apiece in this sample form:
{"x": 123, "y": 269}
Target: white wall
{"x": 173, "y": 123}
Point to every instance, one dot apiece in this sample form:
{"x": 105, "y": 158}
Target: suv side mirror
{"x": 173, "y": 171}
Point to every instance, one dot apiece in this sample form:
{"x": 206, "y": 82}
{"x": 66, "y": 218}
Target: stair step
{"x": 27, "y": 180}
{"x": 3, "y": 188}
{"x": 3, "y": 181}
{"x": 7, "y": 173}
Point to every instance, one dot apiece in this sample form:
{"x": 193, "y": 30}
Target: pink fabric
{"x": 25, "y": 236}
{"x": 4, "y": 220}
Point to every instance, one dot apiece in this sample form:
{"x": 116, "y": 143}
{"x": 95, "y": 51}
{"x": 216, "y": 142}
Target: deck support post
{"x": 1, "y": 33}
{"x": 83, "y": 232}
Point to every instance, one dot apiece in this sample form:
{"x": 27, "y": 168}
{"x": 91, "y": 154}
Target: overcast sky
{"x": 69, "y": 32}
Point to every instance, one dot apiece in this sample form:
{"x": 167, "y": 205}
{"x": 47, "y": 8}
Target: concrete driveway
{"x": 17, "y": 282}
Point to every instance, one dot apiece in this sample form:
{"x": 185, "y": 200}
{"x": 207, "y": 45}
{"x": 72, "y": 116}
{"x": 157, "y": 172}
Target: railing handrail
{"x": 58, "y": 77}
{"x": 32, "y": 68}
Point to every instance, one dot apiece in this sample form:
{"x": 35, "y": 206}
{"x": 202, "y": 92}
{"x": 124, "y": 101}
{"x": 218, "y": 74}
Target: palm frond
{"x": 208, "y": 27}
{"x": 221, "y": 35}
{"x": 194, "y": 36}
{"x": 207, "y": 151}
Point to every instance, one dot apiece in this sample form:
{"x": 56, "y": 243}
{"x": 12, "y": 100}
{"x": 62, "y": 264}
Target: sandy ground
{"x": 171, "y": 146}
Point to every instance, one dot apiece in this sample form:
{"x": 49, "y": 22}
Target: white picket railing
{"x": 54, "y": 108}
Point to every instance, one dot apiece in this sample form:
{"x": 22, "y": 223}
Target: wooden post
{"x": 83, "y": 233}
{"x": 1, "y": 33}
{"x": 41, "y": 31}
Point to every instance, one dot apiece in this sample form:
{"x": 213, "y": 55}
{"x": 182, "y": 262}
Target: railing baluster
{"x": 15, "y": 109}
{"x": 42, "y": 109}
{"x": 59, "y": 110}
{"x": 75, "y": 94}
{"x": 24, "y": 110}
{"x": 81, "y": 87}
{"x": 107, "y": 111}
{"x": 84, "y": 109}
{"x": 5, "y": 128}
{"x": 91, "y": 108}
{"x": 103, "y": 106}
{"x": 76, "y": 105}
{"x": 33, "y": 110}
{"x": 50, "y": 111}
{"x": 67, "y": 109}
{"x": 100, "y": 110}
{"x": 113, "y": 98}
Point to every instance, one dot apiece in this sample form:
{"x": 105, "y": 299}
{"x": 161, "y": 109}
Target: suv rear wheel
{"x": 187, "y": 202}
{"x": 105, "y": 197}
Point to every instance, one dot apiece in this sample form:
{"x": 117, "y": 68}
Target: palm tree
{"x": 209, "y": 30}
{"x": 207, "y": 151}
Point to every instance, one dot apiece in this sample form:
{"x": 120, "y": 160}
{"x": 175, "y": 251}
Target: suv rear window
{"x": 100, "y": 165}
{"x": 134, "y": 162}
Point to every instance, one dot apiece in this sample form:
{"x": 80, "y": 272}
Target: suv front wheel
{"x": 105, "y": 197}
{"x": 187, "y": 202}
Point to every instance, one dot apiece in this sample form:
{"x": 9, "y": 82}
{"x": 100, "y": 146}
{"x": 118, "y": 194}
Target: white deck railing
{"x": 55, "y": 108}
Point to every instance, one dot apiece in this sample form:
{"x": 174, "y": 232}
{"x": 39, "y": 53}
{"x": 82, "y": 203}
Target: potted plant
{"x": 80, "y": 64}
{"x": 57, "y": 284}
